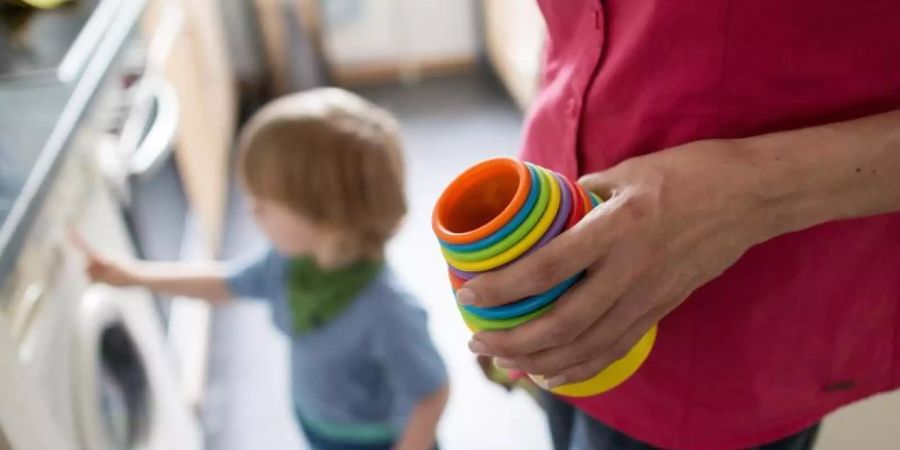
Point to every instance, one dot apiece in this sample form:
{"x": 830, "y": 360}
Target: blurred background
{"x": 118, "y": 119}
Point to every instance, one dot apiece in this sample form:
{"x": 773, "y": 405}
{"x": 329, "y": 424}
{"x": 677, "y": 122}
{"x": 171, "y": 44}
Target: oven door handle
{"x": 157, "y": 144}
{"x": 33, "y": 297}
{"x": 30, "y": 303}
{"x": 146, "y": 145}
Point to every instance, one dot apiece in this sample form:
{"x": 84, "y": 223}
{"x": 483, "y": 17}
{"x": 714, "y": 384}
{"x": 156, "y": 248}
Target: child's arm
{"x": 205, "y": 281}
{"x": 419, "y": 433}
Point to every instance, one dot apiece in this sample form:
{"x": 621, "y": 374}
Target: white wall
{"x": 376, "y": 31}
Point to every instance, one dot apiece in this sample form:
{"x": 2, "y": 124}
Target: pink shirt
{"x": 800, "y": 325}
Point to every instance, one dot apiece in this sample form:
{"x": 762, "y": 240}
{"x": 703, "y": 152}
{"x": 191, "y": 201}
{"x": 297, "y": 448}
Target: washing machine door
{"x": 112, "y": 388}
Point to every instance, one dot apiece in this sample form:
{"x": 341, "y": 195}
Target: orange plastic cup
{"x": 588, "y": 206}
{"x": 481, "y": 200}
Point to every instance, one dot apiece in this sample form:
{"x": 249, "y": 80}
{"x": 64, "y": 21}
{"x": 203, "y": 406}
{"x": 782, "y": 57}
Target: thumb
{"x": 603, "y": 183}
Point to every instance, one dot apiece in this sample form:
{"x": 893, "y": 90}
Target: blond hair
{"x": 332, "y": 157}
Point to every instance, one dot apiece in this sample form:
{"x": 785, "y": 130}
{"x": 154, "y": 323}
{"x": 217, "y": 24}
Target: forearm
{"x": 205, "y": 281}
{"x": 420, "y": 429}
{"x": 831, "y": 172}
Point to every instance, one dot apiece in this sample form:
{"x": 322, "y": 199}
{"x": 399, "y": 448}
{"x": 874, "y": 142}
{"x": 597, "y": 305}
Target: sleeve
{"x": 404, "y": 348}
{"x": 257, "y": 276}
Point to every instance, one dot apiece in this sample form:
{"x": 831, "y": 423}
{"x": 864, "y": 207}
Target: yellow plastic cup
{"x": 608, "y": 378}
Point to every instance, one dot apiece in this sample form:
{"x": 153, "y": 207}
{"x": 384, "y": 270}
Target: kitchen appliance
{"x": 91, "y": 362}
{"x": 96, "y": 353}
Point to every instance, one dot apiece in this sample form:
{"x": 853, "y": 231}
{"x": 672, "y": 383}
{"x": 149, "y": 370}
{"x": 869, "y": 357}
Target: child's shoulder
{"x": 257, "y": 274}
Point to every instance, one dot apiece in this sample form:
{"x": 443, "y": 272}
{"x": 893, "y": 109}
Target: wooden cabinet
{"x": 514, "y": 36}
{"x": 199, "y": 70}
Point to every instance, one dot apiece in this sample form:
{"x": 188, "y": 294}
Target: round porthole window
{"x": 122, "y": 389}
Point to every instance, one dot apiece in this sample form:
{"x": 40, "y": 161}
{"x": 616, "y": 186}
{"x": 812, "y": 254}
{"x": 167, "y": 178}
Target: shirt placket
{"x": 589, "y": 57}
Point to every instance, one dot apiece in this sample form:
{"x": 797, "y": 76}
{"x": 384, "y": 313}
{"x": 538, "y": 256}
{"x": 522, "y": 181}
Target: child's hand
{"x": 102, "y": 268}
{"x": 203, "y": 280}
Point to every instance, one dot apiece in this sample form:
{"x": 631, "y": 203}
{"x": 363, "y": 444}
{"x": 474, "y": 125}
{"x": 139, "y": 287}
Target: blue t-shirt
{"x": 357, "y": 377}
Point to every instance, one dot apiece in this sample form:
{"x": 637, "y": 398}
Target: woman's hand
{"x": 672, "y": 221}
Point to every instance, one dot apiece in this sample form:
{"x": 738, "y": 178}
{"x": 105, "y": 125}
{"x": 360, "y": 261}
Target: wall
{"x": 515, "y": 35}
{"x": 398, "y": 35}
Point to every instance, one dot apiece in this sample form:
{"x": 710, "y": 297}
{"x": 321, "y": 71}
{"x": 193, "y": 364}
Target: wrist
{"x": 133, "y": 274}
{"x": 792, "y": 188}
{"x": 728, "y": 185}
{"x": 830, "y": 172}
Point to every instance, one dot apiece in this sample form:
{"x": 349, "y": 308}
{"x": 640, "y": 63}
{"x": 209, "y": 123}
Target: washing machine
{"x": 97, "y": 355}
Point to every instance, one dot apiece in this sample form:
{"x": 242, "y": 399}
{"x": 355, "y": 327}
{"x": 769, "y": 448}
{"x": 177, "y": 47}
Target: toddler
{"x": 324, "y": 174}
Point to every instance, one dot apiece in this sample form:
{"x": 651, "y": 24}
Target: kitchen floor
{"x": 447, "y": 126}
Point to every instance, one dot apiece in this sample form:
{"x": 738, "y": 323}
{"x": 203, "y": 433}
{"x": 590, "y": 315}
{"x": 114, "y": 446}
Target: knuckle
{"x": 504, "y": 348}
{"x": 583, "y": 353}
{"x": 527, "y": 364}
{"x": 618, "y": 351}
{"x": 552, "y": 367}
{"x": 635, "y": 207}
{"x": 545, "y": 269}
{"x": 598, "y": 365}
{"x": 562, "y": 364}
{"x": 581, "y": 373}
{"x": 549, "y": 372}
{"x": 561, "y": 332}
{"x": 559, "y": 362}
{"x": 501, "y": 349}
{"x": 482, "y": 286}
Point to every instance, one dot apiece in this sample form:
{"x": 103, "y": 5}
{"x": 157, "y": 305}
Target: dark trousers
{"x": 574, "y": 430}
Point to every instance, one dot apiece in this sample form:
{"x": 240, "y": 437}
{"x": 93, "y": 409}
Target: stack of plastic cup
{"x": 499, "y": 211}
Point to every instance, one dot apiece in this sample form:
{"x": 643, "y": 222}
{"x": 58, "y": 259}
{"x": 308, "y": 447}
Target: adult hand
{"x": 673, "y": 221}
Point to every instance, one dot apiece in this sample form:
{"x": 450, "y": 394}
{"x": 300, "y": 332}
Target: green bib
{"x": 317, "y": 296}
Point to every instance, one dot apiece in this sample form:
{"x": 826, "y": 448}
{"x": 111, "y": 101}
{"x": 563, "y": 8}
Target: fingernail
{"x": 504, "y": 363}
{"x": 558, "y": 380}
{"x": 478, "y": 347}
{"x": 465, "y": 296}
